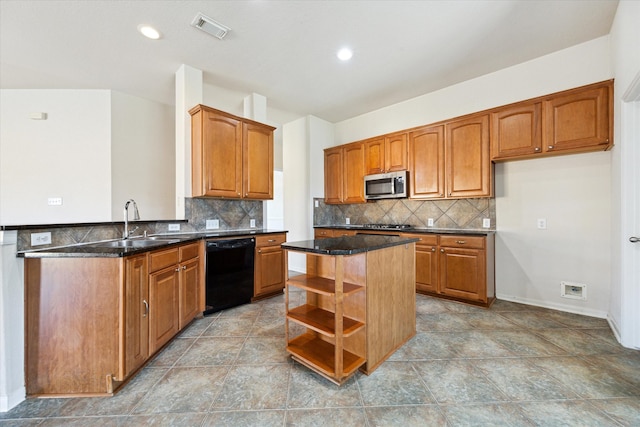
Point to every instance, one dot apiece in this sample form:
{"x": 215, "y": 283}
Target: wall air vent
{"x": 209, "y": 26}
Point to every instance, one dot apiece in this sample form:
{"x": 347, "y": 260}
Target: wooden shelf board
{"x": 322, "y": 285}
{"x": 322, "y": 321}
{"x": 319, "y": 355}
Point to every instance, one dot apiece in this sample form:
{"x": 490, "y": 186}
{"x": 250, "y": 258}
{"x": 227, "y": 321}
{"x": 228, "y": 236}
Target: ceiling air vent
{"x": 210, "y": 26}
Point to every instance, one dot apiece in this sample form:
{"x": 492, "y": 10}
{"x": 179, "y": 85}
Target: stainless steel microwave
{"x": 391, "y": 185}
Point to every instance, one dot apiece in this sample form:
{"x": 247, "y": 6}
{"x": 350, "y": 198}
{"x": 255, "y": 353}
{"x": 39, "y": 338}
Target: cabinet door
{"x": 353, "y": 173}
{"x": 189, "y": 290}
{"x": 136, "y": 314}
{"x": 269, "y": 265}
{"x": 426, "y": 163}
{"x": 374, "y": 156}
{"x": 395, "y": 154}
{"x": 222, "y": 155}
{"x": 426, "y": 268}
{"x": 468, "y": 164}
{"x": 516, "y": 131}
{"x": 462, "y": 273}
{"x": 164, "y": 313}
{"x": 577, "y": 119}
{"x": 257, "y": 162}
{"x": 333, "y": 175}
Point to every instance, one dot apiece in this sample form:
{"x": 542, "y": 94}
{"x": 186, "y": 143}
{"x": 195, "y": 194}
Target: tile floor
{"x": 512, "y": 365}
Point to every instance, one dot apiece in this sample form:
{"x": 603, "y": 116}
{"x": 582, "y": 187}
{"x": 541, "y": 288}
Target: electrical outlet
{"x": 252, "y": 223}
{"x": 41, "y": 238}
{"x": 174, "y": 227}
{"x": 213, "y": 224}
{"x": 430, "y": 222}
{"x": 54, "y": 201}
{"x": 486, "y": 222}
{"x": 542, "y": 223}
{"x": 347, "y": 221}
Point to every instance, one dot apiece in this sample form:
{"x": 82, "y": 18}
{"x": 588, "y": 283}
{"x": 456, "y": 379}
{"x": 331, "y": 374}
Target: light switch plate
{"x": 347, "y": 221}
{"x": 54, "y": 201}
{"x": 213, "y": 224}
{"x": 486, "y": 222}
{"x": 252, "y": 223}
{"x": 174, "y": 227}
{"x": 430, "y": 222}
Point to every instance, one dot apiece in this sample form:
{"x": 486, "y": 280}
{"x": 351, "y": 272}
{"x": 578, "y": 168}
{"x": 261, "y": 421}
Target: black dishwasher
{"x": 229, "y": 273}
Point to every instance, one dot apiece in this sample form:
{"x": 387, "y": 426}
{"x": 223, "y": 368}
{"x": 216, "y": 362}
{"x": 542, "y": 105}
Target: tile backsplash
{"x": 231, "y": 214}
{"x": 454, "y": 214}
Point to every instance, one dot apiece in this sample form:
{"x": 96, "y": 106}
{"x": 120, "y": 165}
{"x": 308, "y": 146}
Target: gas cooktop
{"x": 387, "y": 226}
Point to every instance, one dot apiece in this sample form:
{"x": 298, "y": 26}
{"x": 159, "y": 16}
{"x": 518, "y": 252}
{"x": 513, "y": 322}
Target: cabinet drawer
{"x": 425, "y": 239}
{"x": 319, "y": 233}
{"x": 189, "y": 251}
{"x": 270, "y": 240}
{"x": 472, "y": 242}
{"x": 162, "y": 259}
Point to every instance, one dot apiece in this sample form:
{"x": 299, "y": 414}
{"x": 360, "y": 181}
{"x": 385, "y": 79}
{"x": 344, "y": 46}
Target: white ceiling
{"x": 285, "y": 50}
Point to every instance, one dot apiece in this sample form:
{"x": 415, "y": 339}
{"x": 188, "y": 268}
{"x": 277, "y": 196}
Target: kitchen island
{"x": 359, "y": 304}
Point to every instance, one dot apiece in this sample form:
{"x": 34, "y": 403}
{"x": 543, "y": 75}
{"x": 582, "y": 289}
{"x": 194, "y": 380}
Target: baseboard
{"x": 553, "y": 306}
{"x": 7, "y": 402}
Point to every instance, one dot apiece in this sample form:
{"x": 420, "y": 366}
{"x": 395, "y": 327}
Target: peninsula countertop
{"x": 102, "y": 249}
{"x": 348, "y": 245}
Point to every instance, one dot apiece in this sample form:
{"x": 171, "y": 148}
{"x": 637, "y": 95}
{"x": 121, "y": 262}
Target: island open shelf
{"x": 358, "y": 305}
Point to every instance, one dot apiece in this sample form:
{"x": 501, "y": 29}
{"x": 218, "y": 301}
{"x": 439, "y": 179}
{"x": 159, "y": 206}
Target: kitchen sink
{"x": 137, "y": 243}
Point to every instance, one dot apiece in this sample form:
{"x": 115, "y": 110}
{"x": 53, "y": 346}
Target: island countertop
{"x": 348, "y": 245}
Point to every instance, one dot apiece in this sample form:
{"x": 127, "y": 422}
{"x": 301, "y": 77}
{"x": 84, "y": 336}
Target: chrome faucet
{"x": 136, "y": 217}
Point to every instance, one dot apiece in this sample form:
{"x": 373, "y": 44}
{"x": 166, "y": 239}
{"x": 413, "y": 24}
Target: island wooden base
{"x": 359, "y": 310}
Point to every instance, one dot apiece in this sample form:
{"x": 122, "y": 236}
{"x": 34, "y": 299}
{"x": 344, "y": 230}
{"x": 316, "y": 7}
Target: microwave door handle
{"x": 393, "y": 186}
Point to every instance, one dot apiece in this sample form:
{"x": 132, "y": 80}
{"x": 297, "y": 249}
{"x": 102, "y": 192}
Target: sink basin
{"x": 136, "y": 243}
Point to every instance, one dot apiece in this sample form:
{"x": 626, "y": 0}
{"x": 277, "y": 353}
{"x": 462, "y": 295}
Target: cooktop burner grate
{"x": 387, "y": 226}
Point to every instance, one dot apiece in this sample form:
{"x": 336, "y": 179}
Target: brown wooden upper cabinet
{"x": 386, "y": 153}
{"x": 231, "y": 157}
{"x": 426, "y": 162}
{"x": 468, "y": 166}
{"x": 451, "y": 160}
{"x": 344, "y": 174}
{"x": 574, "y": 121}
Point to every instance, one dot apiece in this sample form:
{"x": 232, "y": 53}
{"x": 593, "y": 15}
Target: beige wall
{"x": 67, "y": 155}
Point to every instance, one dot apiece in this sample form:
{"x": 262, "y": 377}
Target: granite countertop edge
{"x": 348, "y": 245}
{"x": 419, "y": 230}
{"x": 98, "y": 250}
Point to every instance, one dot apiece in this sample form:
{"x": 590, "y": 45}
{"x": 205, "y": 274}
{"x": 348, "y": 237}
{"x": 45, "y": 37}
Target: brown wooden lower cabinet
{"x": 269, "y": 274}
{"x": 93, "y": 322}
{"x": 453, "y": 266}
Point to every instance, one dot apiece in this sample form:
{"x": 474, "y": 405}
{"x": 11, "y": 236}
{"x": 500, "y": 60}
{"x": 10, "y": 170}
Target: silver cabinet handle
{"x": 442, "y": 250}
{"x": 184, "y": 267}
{"x": 537, "y": 149}
{"x": 433, "y": 249}
{"x": 551, "y": 147}
{"x": 177, "y": 269}
{"x": 271, "y": 240}
{"x": 461, "y": 242}
{"x": 634, "y": 239}
{"x": 146, "y": 308}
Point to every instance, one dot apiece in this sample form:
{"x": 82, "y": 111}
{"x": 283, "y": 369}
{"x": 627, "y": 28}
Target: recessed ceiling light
{"x": 149, "y": 32}
{"x": 345, "y": 54}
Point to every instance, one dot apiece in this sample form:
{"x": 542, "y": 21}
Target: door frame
{"x": 629, "y": 215}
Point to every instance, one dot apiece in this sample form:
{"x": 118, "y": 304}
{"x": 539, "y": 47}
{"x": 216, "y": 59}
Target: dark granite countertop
{"x": 100, "y": 250}
{"x": 424, "y": 230}
{"x": 347, "y": 245}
